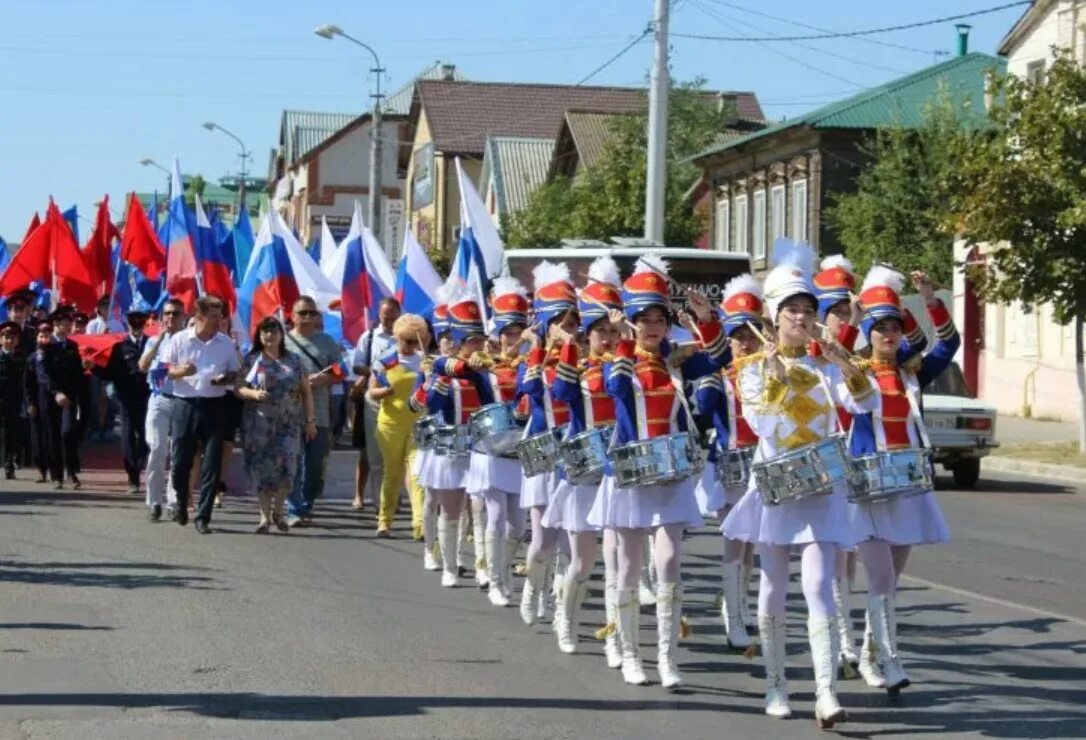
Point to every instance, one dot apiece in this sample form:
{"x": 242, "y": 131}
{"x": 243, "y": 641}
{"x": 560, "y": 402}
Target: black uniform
{"x": 133, "y": 393}
{"x": 12, "y": 408}
{"x": 55, "y": 368}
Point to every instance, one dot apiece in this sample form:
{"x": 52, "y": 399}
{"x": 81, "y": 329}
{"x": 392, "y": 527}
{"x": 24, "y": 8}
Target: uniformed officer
{"x": 12, "y": 401}
{"x": 133, "y": 393}
{"x": 54, "y": 384}
{"x": 18, "y": 305}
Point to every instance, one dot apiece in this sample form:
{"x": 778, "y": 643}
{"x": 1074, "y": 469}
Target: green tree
{"x": 608, "y": 199}
{"x": 1023, "y": 189}
{"x": 900, "y": 211}
{"x": 195, "y": 186}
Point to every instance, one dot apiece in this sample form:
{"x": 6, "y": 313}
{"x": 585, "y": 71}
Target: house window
{"x": 776, "y": 211}
{"x": 799, "y": 210}
{"x": 759, "y": 225}
{"x": 723, "y": 225}
{"x": 742, "y": 225}
{"x": 1035, "y": 71}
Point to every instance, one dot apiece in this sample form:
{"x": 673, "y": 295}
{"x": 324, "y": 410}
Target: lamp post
{"x": 148, "y": 162}
{"x": 329, "y": 31}
{"x": 245, "y": 154}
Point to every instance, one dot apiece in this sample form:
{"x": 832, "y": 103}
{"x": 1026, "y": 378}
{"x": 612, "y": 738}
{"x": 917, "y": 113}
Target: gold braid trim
{"x": 741, "y": 362}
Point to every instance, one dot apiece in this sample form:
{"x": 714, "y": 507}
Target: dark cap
{"x": 10, "y": 327}
{"x": 62, "y": 313}
{"x": 45, "y": 326}
{"x": 24, "y": 297}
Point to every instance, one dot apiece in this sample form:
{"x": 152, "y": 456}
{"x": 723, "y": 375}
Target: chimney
{"x": 448, "y": 72}
{"x": 963, "y": 38}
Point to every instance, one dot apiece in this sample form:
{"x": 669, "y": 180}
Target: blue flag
{"x": 244, "y": 240}
{"x": 72, "y": 217}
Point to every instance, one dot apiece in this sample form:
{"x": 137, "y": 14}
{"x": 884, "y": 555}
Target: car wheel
{"x": 966, "y": 472}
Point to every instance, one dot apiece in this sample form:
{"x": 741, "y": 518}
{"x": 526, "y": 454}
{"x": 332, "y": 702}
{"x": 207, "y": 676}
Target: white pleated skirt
{"x": 915, "y": 520}
{"x": 539, "y": 489}
{"x": 645, "y": 507}
{"x": 445, "y": 473}
{"x": 488, "y": 471}
{"x": 569, "y": 507}
{"x": 816, "y": 519}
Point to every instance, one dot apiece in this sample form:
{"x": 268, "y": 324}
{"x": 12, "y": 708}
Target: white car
{"x": 961, "y": 428}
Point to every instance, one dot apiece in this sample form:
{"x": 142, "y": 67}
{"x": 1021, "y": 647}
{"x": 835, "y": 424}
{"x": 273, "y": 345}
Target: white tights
{"x": 582, "y": 555}
{"x": 451, "y": 501}
{"x": 545, "y": 540}
{"x": 667, "y": 541}
{"x": 504, "y": 518}
{"x": 818, "y": 565}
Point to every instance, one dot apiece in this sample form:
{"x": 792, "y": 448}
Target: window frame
{"x": 723, "y": 225}
{"x": 742, "y": 225}
{"x": 799, "y": 210}
{"x": 759, "y": 248}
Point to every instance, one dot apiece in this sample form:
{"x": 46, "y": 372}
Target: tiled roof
{"x": 900, "y": 102}
{"x": 518, "y": 166}
{"x": 304, "y": 130}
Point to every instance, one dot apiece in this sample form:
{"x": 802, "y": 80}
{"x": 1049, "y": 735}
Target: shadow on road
{"x": 52, "y": 626}
{"x": 91, "y": 574}
{"x": 988, "y": 486}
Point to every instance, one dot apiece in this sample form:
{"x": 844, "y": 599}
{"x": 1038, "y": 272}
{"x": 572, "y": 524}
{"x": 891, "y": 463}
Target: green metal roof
{"x": 899, "y": 102}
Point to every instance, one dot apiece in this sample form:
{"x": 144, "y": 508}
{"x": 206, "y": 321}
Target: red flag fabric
{"x": 67, "y": 259}
{"x": 139, "y": 244}
{"x": 50, "y": 247}
{"x": 34, "y": 224}
{"x": 98, "y": 251}
{"x": 96, "y": 347}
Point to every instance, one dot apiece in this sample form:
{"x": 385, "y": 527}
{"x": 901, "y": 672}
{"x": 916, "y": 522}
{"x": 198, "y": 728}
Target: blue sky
{"x": 90, "y": 88}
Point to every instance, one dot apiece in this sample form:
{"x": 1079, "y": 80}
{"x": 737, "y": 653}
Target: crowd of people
{"x": 570, "y": 421}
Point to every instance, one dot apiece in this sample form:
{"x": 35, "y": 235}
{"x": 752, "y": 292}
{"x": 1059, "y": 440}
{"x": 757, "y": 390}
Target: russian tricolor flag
{"x": 181, "y": 268}
{"x": 365, "y": 276}
{"x": 416, "y": 279}
{"x": 215, "y": 265}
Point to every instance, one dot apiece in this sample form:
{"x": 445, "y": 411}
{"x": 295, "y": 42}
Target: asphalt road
{"x": 117, "y": 628}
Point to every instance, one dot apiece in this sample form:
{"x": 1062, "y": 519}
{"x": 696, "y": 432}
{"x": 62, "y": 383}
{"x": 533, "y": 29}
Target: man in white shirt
{"x": 203, "y": 362}
{"x": 102, "y": 323}
{"x": 159, "y": 489}
{"x": 372, "y": 346}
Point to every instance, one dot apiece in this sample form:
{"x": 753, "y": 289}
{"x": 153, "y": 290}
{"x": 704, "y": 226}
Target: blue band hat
{"x": 554, "y": 293}
{"x": 880, "y": 298}
{"x": 465, "y": 320}
{"x": 834, "y": 283}
{"x": 742, "y": 304}
{"x": 646, "y": 288}
{"x": 509, "y": 302}
{"x": 601, "y": 294}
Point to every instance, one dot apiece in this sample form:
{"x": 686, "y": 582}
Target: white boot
{"x": 561, "y": 568}
{"x": 879, "y": 609}
{"x": 669, "y": 612}
{"x": 461, "y": 536}
{"x": 611, "y": 649}
{"x": 646, "y": 589}
{"x": 841, "y": 599}
{"x": 822, "y": 632}
{"x": 573, "y": 593}
{"x": 869, "y": 661}
{"x": 446, "y": 537}
{"x": 748, "y": 618}
{"x": 429, "y": 540}
{"x": 730, "y": 609}
{"x": 543, "y": 593}
{"x": 495, "y": 557}
{"x": 772, "y": 634}
{"x": 512, "y": 544}
{"x": 529, "y": 595}
{"x": 629, "y": 628}
{"x": 482, "y": 575}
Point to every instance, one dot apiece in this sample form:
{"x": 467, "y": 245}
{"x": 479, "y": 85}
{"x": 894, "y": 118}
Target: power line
{"x": 854, "y": 34}
{"x": 616, "y": 57}
{"x": 789, "y": 21}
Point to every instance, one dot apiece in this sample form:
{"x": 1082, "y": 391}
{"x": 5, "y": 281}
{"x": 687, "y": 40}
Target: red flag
{"x": 139, "y": 244}
{"x": 98, "y": 252}
{"x": 96, "y": 347}
{"x": 50, "y": 247}
{"x": 34, "y": 224}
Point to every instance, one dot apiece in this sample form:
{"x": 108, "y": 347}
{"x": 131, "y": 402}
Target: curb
{"x": 1000, "y": 464}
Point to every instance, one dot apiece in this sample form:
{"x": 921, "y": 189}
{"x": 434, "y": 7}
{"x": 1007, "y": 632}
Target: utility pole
{"x": 659, "y": 86}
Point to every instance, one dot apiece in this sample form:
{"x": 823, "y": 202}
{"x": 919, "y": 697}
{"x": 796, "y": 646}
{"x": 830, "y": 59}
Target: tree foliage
{"x": 900, "y": 213}
{"x": 608, "y": 199}
{"x": 1023, "y": 189}
{"x": 195, "y": 186}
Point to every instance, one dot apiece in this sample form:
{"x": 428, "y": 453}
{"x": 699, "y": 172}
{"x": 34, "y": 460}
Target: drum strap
{"x": 586, "y": 400}
{"x": 918, "y": 418}
{"x": 733, "y": 410}
{"x": 680, "y": 393}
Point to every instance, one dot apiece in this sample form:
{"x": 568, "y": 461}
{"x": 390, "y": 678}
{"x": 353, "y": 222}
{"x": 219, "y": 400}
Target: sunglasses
{"x": 305, "y": 313}
{"x": 171, "y": 313}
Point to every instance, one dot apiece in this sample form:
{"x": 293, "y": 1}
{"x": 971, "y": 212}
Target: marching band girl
{"x": 455, "y": 399}
{"x": 425, "y": 456}
{"x": 895, "y": 423}
{"x": 788, "y": 400}
{"x": 646, "y": 380}
{"x": 716, "y": 396}
{"x": 580, "y": 383}
{"x": 555, "y": 304}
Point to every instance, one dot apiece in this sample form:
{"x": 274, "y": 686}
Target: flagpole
{"x": 113, "y": 293}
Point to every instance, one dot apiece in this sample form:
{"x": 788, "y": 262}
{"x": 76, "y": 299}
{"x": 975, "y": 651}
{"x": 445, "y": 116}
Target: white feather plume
{"x": 507, "y": 285}
{"x": 799, "y": 255}
{"x": 838, "y": 260}
{"x": 441, "y": 295}
{"x": 546, "y": 273}
{"x": 883, "y": 275}
{"x": 745, "y": 283}
{"x": 651, "y": 263}
{"x": 604, "y": 270}
{"x": 457, "y": 291}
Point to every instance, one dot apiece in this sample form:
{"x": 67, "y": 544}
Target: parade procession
{"x": 655, "y": 368}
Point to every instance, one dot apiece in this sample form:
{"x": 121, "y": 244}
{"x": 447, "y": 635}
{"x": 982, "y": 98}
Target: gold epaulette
{"x": 741, "y": 362}
{"x": 912, "y": 366}
{"x": 427, "y": 365}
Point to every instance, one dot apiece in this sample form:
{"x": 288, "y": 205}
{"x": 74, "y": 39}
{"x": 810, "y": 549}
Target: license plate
{"x": 942, "y": 422}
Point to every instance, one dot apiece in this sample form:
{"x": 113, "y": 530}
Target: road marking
{"x": 994, "y": 600}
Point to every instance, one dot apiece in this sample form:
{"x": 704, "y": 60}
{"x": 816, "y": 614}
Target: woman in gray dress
{"x": 277, "y": 400}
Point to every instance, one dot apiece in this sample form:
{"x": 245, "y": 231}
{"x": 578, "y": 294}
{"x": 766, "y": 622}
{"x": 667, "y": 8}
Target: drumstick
{"x": 761, "y": 337}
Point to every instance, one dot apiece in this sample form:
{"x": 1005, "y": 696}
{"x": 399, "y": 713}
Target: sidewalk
{"x": 1011, "y": 429}
{"x": 1048, "y": 449}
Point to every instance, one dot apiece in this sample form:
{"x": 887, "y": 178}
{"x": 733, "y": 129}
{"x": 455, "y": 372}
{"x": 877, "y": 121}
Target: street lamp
{"x": 245, "y": 154}
{"x": 329, "y": 31}
{"x": 148, "y": 162}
